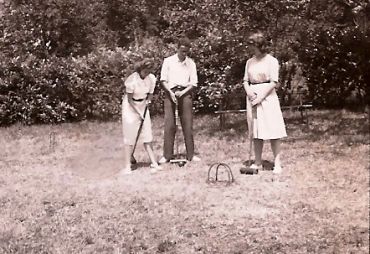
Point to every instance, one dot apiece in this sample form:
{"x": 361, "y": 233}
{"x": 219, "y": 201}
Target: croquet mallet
{"x": 138, "y": 133}
{"x": 248, "y": 170}
{"x": 177, "y": 160}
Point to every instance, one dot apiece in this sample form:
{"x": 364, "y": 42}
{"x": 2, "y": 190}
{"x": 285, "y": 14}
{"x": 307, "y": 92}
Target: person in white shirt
{"x": 178, "y": 78}
{"x": 260, "y": 81}
{"x": 139, "y": 87}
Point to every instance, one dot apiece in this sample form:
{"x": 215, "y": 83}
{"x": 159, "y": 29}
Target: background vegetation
{"x": 65, "y": 60}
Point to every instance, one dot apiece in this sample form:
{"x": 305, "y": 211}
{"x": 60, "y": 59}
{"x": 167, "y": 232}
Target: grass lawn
{"x": 60, "y": 193}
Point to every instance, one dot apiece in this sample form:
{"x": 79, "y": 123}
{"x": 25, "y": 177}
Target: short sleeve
{"x": 153, "y": 80}
{"x": 246, "y": 77}
{"x": 274, "y": 70}
{"x": 130, "y": 83}
{"x": 164, "y": 70}
{"x": 193, "y": 74}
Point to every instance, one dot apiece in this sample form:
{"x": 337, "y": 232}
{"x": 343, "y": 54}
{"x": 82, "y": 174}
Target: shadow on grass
{"x": 349, "y": 127}
{"x": 267, "y": 165}
{"x": 347, "y": 130}
{"x": 140, "y": 165}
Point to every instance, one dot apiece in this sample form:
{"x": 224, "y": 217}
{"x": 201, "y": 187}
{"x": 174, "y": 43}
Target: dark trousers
{"x": 185, "y": 104}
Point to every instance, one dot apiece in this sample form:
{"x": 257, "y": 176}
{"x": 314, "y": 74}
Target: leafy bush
{"x": 335, "y": 61}
{"x": 66, "y": 60}
{"x": 60, "y": 89}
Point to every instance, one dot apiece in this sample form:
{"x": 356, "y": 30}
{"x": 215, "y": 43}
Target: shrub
{"x": 60, "y": 89}
{"x": 67, "y": 60}
{"x": 335, "y": 62}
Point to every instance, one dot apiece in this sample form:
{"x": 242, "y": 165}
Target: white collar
{"x": 139, "y": 77}
{"x": 183, "y": 62}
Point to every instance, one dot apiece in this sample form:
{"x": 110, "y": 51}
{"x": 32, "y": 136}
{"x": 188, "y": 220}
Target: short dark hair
{"x": 183, "y": 41}
{"x": 143, "y": 64}
{"x": 260, "y": 41}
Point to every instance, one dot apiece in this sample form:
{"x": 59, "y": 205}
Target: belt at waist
{"x": 256, "y": 83}
{"x": 177, "y": 88}
{"x": 137, "y": 99}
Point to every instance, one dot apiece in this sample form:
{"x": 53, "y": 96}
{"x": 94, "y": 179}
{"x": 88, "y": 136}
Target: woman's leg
{"x": 258, "y": 146}
{"x": 127, "y": 150}
{"x": 149, "y": 150}
{"x": 154, "y": 165}
{"x": 276, "y": 149}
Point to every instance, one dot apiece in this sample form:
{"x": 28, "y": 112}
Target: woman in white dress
{"x": 139, "y": 87}
{"x": 260, "y": 82}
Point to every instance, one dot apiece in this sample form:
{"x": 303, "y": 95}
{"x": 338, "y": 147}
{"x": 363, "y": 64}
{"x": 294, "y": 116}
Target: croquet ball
{"x": 181, "y": 163}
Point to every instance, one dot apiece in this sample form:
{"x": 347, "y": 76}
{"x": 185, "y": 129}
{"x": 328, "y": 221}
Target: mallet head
{"x": 249, "y": 171}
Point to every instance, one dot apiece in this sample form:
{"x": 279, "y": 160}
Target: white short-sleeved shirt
{"x": 179, "y": 73}
{"x": 140, "y": 87}
{"x": 261, "y": 70}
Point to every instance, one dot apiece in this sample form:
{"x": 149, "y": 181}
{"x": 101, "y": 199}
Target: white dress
{"x": 140, "y": 88}
{"x": 269, "y": 123}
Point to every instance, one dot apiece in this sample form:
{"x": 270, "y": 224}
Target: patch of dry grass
{"x": 59, "y": 192}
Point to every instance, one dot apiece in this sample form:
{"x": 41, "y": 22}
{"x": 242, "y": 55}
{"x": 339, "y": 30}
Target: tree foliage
{"x": 333, "y": 50}
{"x": 64, "y": 60}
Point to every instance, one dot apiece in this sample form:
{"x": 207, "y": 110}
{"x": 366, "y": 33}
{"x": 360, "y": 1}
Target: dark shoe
{"x": 133, "y": 160}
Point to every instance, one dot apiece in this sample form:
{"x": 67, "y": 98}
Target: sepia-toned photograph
{"x": 184, "y": 126}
